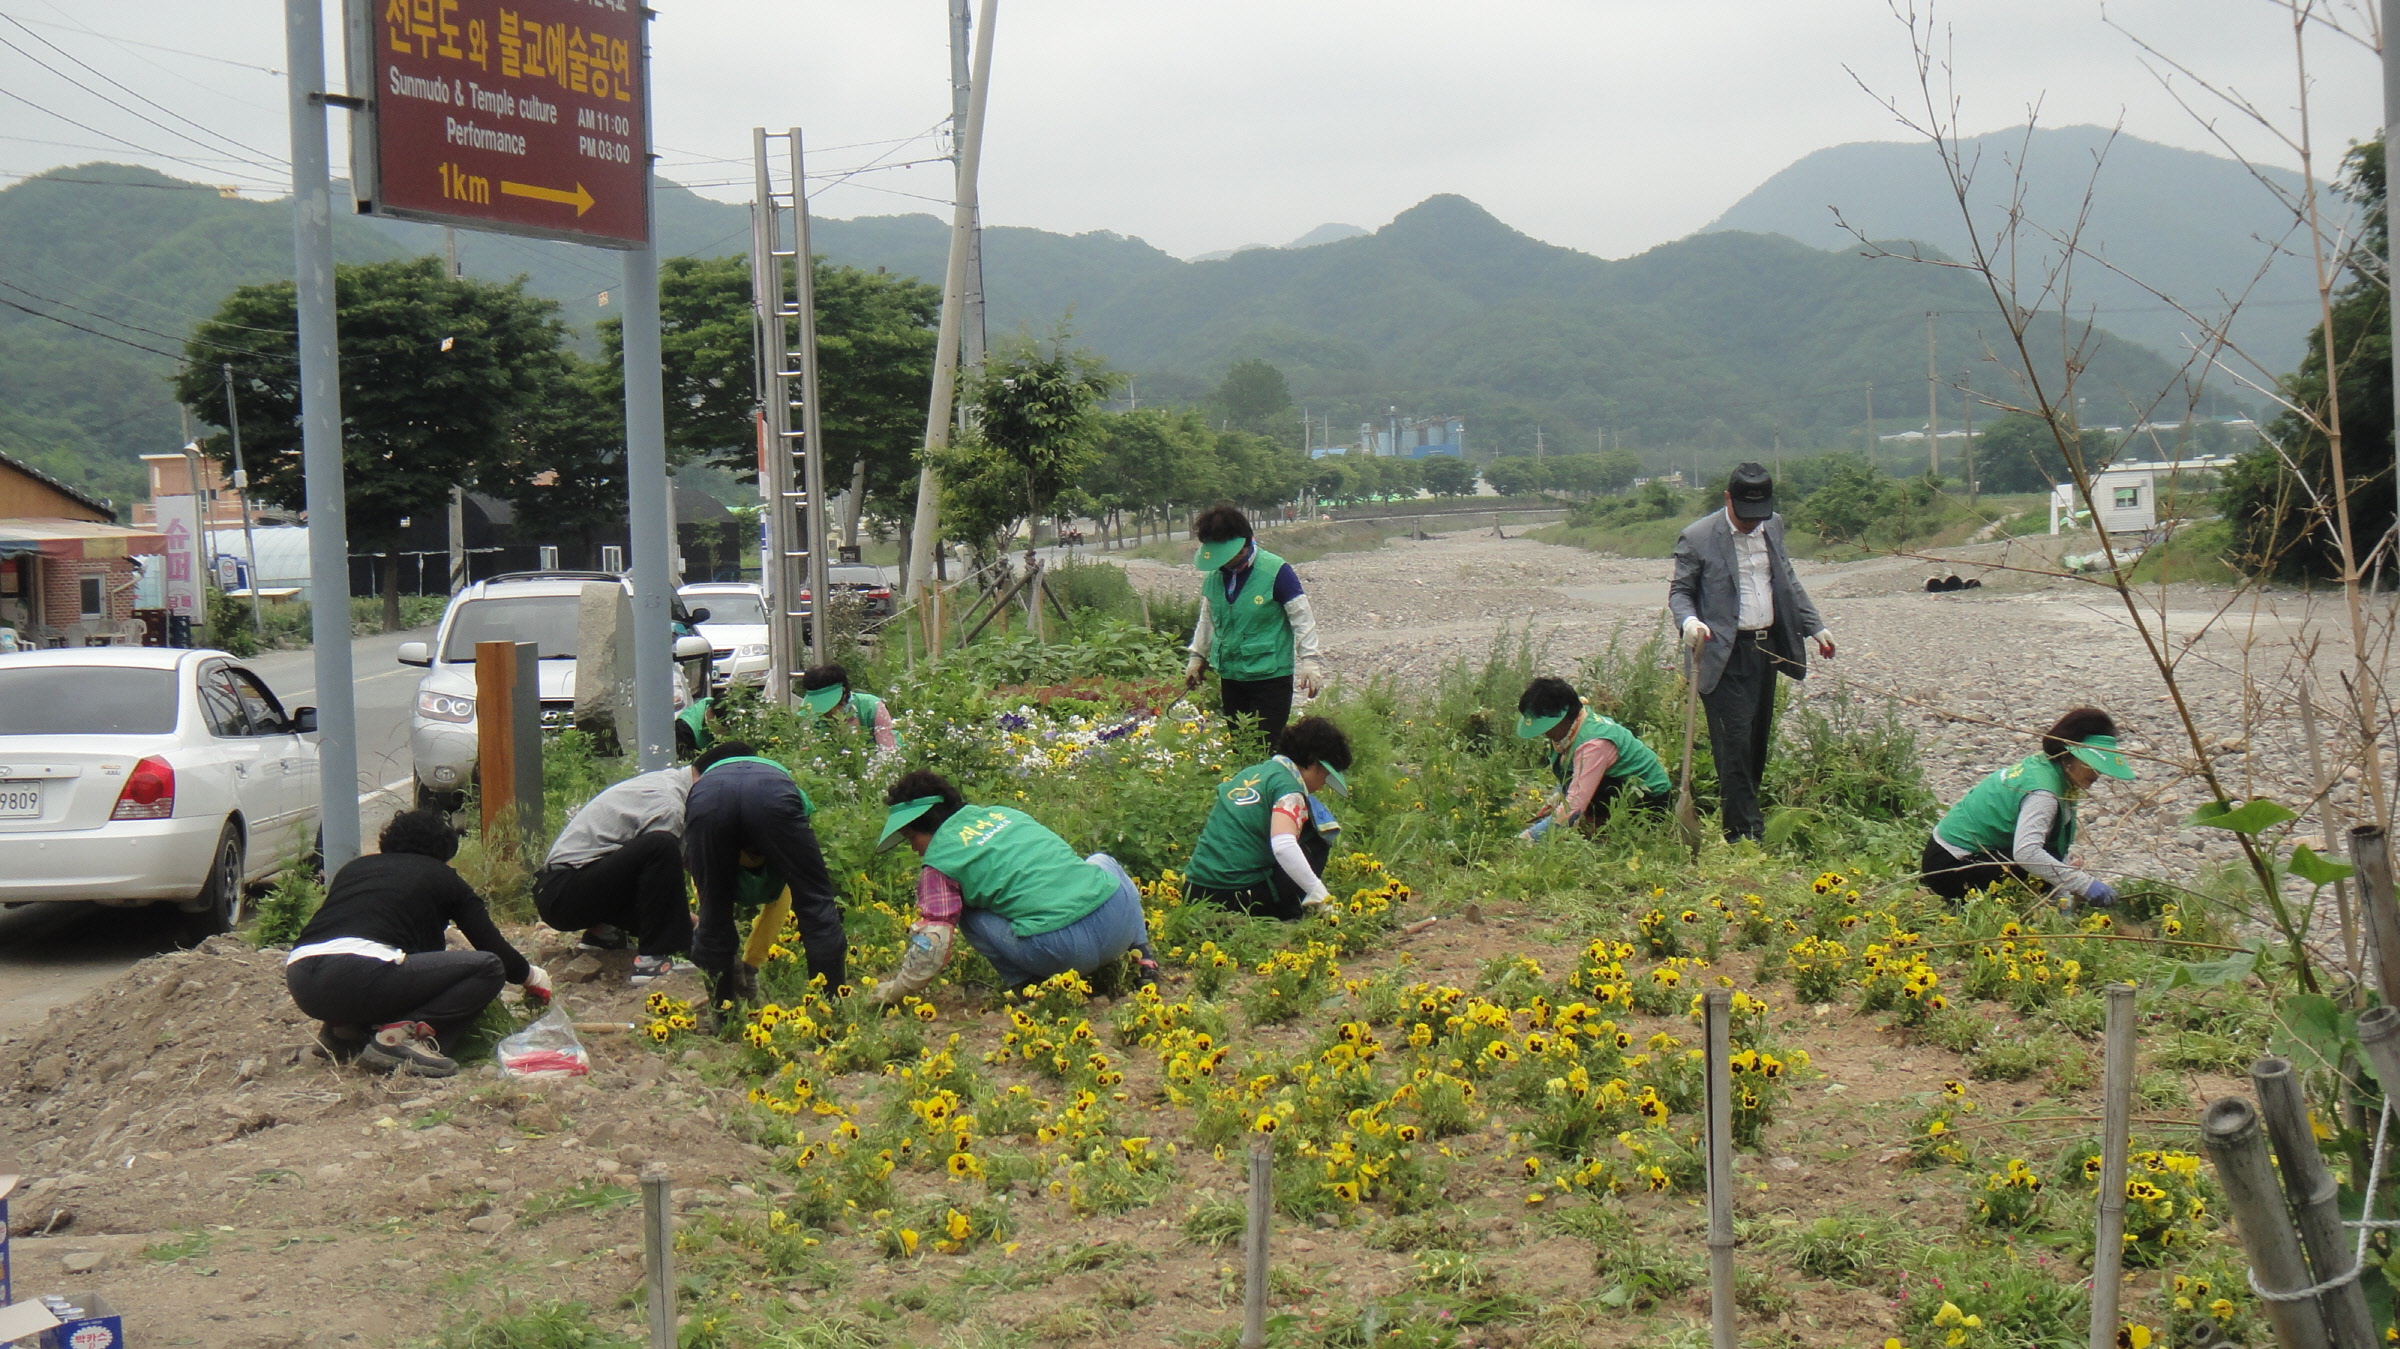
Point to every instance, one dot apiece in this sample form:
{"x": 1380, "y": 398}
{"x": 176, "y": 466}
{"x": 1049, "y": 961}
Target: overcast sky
{"x": 1605, "y": 125}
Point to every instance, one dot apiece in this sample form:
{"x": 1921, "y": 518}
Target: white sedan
{"x": 146, "y": 775}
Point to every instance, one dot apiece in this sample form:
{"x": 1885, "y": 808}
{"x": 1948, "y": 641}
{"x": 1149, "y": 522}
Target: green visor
{"x": 2100, "y": 752}
{"x": 1531, "y": 727}
{"x": 1335, "y": 780}
{"x": 900, "y": 817}
{"x": 1214, "y": 555}
{"x": 821, "y": 701}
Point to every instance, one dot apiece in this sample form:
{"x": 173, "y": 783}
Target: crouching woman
{"x": 1020, "y": 895}
{"x": 373, "y": 964}
{"x": 2019, "y": 822}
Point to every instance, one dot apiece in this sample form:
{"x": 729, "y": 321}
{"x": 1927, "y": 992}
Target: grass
{"x": 2200, "y": 551}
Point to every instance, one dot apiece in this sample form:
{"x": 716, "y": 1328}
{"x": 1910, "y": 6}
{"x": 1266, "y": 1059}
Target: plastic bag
{"x": 547, "y": 1048}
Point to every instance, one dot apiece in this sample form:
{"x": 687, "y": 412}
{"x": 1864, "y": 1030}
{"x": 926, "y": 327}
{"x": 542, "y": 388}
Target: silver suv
{"x": 544, "y": 608}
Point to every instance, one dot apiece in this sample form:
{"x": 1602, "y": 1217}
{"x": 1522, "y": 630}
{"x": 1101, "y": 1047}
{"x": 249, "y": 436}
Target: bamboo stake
{"x": 2230, "y": 1131}
{"x": 2314, "y": 1197}
{"x": 2379, "y": 1040}
{"x": 1717, "y": 1006}
{"x": 1254, "y": 1244}
{"x": 2108, "y": 1227}
{"x": 2328, "y": 822}
{"x": 658, "y": 1245}
{"x": 2370, "y": 852}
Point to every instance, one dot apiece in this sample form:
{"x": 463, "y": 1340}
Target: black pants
{"x": 444, "y": 989}
{"x": 639, "y": 887}
{"x": 1614, "y": 789}
{"x": 1269, "y": 701}
{"x": 1278, "y": 896}
{"x": 1741, "y": 724}
{"x": 747, "y": 807}
{"x": 1952, "y": 877}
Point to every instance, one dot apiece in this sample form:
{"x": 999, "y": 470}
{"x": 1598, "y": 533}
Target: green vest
{"x": 695, "y": 719}
{"x": 1985, "y": 819}
{"x": 1634, "y": 759}
{"x": 1252, "y": 636}
{"x": 1234, "y": 852}
{"x": 1005, "y": 861}
{"x": 862, "y": 706}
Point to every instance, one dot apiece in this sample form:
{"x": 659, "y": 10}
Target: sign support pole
{"x": 321, "y": 434}
{"x": 650, "y": 502}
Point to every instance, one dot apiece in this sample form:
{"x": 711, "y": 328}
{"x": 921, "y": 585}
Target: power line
{"x": 269, "y": 163}
{"x": 46, "y": 176}
{"x": 152, "y": 332}
{"x": 91, "y": 284}
{"x": 4, "y": 300}
{"x": 86, "y": 126}
{"x": 136, "y": 42}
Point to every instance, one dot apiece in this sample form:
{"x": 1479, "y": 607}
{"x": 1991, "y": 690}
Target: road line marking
{"x": 386, "y": 789}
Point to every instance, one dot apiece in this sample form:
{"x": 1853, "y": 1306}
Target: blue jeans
{"x": 1083, "y": 946}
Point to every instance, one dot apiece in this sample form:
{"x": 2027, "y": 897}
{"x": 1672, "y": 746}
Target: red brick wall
{"x": 62, "y": 590}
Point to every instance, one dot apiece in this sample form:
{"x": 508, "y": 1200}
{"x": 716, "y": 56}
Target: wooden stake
{"x": 2108, "y": 1226}
{"x": 2370, "y": 852}
{"x": 495, "y": 732}
{"x": 1717, "y": 1005}
{"x": 2315, "y": 1198}
{"x": 1254, "y": 1244}
{"x": 658, "y": 1246}
{"x": 2230, "y": 1131}
{"x": 2329, "y": 823}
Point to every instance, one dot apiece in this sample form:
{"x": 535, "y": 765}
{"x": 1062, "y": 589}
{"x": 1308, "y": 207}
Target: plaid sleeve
{"x": 939, "y": 900}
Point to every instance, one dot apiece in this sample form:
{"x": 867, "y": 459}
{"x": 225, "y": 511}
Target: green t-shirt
{"x": 1634, "y": 759}
{"x": 1985, "y": 819}
{"x": 1005, "y": 861}
{"x": 1234, "y": 851}
{"x": 1251, "y": 636}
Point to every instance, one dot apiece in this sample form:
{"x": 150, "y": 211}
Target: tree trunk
{"x": 391, "y": 591}
{"x": 906, "y": 528}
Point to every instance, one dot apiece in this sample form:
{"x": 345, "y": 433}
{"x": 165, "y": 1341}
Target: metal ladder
{"x": 791, "y": 475}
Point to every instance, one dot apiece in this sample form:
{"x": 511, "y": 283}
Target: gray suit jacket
{"x": 1706, "y": 584}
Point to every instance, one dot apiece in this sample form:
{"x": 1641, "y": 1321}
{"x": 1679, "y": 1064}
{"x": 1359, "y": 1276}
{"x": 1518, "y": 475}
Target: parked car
{"x": 867, "y": 583}
{"x": 545, "y": 608}
{"x": 732, "y": 615}
{"x": 150, "y": 775}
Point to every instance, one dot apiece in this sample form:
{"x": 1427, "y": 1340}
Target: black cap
{"x": 1753, "y": 491}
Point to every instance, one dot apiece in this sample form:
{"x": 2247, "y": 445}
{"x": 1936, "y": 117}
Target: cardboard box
{"x": 97, "y": 1327}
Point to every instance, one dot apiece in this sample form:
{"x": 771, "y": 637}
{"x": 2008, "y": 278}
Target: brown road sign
{"x": 515, "y": 116}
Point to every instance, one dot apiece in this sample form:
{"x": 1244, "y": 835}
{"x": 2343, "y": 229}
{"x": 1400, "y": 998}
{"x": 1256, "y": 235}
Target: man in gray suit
{"x": 1739, "y": 607}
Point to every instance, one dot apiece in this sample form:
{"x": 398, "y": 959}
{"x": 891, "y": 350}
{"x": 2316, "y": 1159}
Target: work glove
{"x": 537, "y": 985}
{"x": 2101, "y": 895}
{"x": 1311, "y": 678}
{"x": 738, "y": 983}
{"x": 1536, "y": 830}
{"x": 1824, "y": 641}
{"x": 1193, "y": 672}
{"x": 1695, "y": 632}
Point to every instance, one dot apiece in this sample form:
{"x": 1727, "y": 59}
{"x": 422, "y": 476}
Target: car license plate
{"x": 21, "y": 799}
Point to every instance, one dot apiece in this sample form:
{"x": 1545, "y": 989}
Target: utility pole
{"x": 1932, "y": 384}
{"x": 962, "y": 85}
{"x": 651, "y": 506}
{"x": 458, "y": 493}
{"x": 1966, "y": 405}
{"x": 2391, "y": 136}
{"x": 1870, "y": 421}
{"x": 321, "y": 433}
{"x": 1537, "y": 444}
{"x": 241, "y": 495}
{"x": 921, "y": 540}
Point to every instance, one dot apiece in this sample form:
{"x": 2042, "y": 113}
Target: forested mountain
{"x": 2195, "y": 226}
{"x": 1725, "y": 340}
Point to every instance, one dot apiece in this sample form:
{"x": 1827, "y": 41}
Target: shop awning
{"x": 71, "y": 539}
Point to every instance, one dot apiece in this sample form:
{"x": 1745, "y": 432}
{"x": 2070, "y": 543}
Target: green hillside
{"x": 1722, "y": 342}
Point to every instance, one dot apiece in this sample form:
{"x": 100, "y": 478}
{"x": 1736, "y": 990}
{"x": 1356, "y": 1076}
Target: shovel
{"x": 1687, "y": 817}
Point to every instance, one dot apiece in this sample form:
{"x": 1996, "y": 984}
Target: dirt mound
{"x": 183, "y": 1143}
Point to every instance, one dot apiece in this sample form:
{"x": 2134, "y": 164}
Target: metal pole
{"x": 241, "y": 495}
{"x": 321, "y": 434}
{"x": 458, "y": 495}
{"x": 775, "y": 414}
{"x": 2371, "y": 853}
{"x": 652, "y": 517}
{"x": 658, "y": 1247}
{"x": 812, "y": 423}
{"x": 921, "y": 541}
{"x": 1933, "y": 441}
{"x": 962, "y": 84}
{"x": 1717, "y": 1010}
{"x": 2229, "y": 1130}
{"x": 2391, "y": 136}
{"x": 1254, "y": 1244}
{"x": 2116, "y": 1115}
{"x": 2315, "y": 1198}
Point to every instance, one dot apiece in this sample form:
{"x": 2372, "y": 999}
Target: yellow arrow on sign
{"x": 579, "y": 199}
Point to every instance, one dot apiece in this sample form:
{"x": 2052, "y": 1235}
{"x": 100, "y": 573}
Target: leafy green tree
{"x": 1038, "y": 428}
{"x": 2282, "y": 502}
{"x": 1446, "y": 475}
{"x": 1516, "y": 475}
{"x": 2020, "y": 454}
{"x": 1333, "y": 478}
{"x": 438, "y": 379}
{"x": 1254, "y": 396}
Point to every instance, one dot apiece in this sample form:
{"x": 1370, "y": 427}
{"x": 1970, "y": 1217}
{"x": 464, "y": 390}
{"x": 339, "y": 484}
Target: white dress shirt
{"x": 1757, "y": 584}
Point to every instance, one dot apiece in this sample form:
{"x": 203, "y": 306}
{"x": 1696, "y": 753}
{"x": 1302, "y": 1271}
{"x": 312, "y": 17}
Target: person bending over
{"x": 2020, "y": 820}
{"x": 826, "y": 692}
{"x": 373, "y": 964}
{"x": 1255, "y": 626}
{"x": 740, "y": 803}
{"x": 1595, "y": 760}
{"x": 1261, "y": 851}
{"x": 1026, "y": 902}
{"x": 618, "y": 867}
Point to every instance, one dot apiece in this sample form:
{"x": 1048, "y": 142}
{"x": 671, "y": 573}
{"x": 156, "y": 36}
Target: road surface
{"x": 52, "y": 954}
